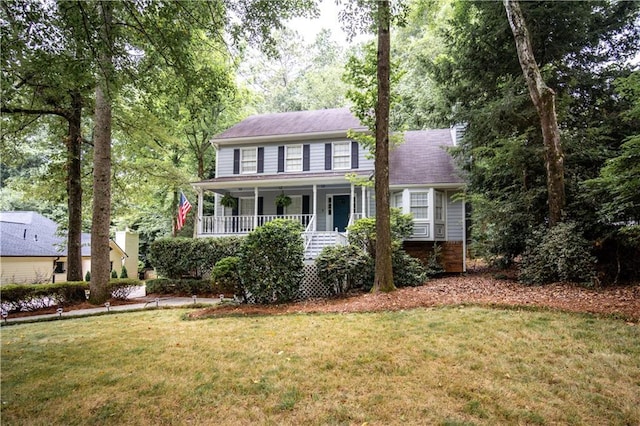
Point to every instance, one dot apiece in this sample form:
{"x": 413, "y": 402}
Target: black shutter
{"x": 306, "y": 157}
{"x": 327, "y": 156}
{"x": 280, "y": 159}
{"x": 260, "y": 206}
{"x": 279, "y": 210}
{"x": 354, "y": 154}
{"x": 236, "y": 161}
{"x": 234, "y": 209}
{"x": 260, "y": 159}
{"x": 306, "y": 207}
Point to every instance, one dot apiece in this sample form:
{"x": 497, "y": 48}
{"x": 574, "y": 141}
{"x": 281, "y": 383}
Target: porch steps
{"x": 318, "y": 241}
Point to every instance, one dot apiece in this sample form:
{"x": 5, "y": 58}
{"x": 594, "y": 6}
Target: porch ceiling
{"x": 280, "y": 180}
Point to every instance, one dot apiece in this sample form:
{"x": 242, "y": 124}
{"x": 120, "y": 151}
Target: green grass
{"x": 447, "y": 366}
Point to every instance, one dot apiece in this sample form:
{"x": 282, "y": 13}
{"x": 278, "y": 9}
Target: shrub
{"x": 114, "y": 274}
{"x": 176, "y": 258}
{"x": 121, "y": 288}
{"x": 226, "y": 278}
{"x": 29, "y": 297}
{"x": 557, "y": 254}
{"x": 271, "y": 261}
{"x": 363, "y": 232}
{"x": 179, "y": 286}
{"x": 87, "y": 276}
{"x": 341, "y": 268}
{"x": 407, "y": 270}
{"x": 124, "y": 273}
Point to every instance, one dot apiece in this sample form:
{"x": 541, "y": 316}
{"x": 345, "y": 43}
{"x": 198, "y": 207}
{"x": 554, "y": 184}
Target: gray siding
{"x": 455, "y": 220}
{"x": 316, "y": 154}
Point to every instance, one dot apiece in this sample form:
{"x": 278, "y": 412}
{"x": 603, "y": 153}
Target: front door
{"x": 340, "y": 212}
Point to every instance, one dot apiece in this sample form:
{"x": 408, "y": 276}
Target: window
{"x": 245, "y": 206}
{"x": 439, "y": 213}
{"x": 341, "y": 155}
{"x": 396, "y": 200}
{"x": 248, "y": 160}
{"x": 293, "y": 161}
{"x": 420, "y": 205}
{"x": 60, "y": 268}
{"x": 296, "y": 205}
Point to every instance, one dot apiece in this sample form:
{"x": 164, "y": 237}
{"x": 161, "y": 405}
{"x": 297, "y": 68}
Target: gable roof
{"x": 423, "y": 159}
{"x": 29, "y": 234}
{"x": 296, "y": 123}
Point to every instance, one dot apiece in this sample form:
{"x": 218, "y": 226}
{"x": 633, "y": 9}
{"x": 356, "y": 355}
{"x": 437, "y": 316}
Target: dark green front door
{"x": 340, "y": 212}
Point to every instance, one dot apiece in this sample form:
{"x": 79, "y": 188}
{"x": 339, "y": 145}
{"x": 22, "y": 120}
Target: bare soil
{"x": 480, "y": 288}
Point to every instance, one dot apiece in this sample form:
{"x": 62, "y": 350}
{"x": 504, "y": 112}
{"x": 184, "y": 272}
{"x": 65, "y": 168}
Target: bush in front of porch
{"x": 177, "y": 258}
{"x": 271, "y": 262}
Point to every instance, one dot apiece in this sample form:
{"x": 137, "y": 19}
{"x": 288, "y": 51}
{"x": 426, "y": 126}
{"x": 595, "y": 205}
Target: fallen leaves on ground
{"x": 472, "y": 288}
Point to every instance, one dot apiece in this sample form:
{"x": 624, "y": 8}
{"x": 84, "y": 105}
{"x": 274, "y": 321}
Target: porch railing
{"x": 245, "y": 224}
{"x": 354, "y": 216}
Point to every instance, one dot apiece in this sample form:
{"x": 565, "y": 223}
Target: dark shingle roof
{"x": 29, "y": 234}
{"x": 422, "y": 159}
{"x": 289, "y": 123}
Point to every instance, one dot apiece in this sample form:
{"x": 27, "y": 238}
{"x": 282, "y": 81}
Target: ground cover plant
{"x": 453, "y": 365}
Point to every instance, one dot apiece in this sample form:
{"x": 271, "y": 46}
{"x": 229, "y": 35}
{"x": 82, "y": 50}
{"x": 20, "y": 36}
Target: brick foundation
{"x": 451, "y": 256}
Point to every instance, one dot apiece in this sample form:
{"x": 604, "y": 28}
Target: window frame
{"x": 420, "y": 206}
{"x": 287, "y": 168}
{"x": 438, "y": 210}
{"x": 346, "y": 156}
{"x": 243, "y": 160}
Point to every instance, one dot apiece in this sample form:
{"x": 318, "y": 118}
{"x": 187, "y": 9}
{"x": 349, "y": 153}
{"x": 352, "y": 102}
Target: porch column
{"x": 315, "y": 208}
{"x": 216, "y": 206}
{"x": 200, "y": 210}
{"x": 364, "y": 201}
{"x": 255, "y": 207}
{"x": 352, "y": 204}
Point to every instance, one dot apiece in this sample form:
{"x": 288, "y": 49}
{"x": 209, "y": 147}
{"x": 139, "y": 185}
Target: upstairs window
{"x": 248, "y": 160}
{"x": 341, "y": 155}
{"x": 420, "y": 205}
{"x": 293, "y": 161}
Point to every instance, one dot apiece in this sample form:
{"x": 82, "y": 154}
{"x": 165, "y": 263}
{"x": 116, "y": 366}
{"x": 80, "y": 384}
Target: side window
{"x": 439, "y": 211}
{"x": 341, "y": 155}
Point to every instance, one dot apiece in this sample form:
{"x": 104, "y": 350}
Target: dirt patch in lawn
{"x": 474, "y": 288}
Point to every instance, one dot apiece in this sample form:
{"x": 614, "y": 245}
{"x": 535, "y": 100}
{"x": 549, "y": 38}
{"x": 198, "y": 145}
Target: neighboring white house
{"x": 32, "y": 251}
{"x": 308, "y": 157}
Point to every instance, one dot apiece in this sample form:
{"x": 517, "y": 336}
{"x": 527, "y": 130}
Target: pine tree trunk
{"x": 100, "y": 263}
{"x": 74, "y": 190}
{"x": 543, "y": 98}
{"x": 383, "y": 268}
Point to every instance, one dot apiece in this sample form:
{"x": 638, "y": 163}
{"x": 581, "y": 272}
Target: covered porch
{"x": 240, "y": 207}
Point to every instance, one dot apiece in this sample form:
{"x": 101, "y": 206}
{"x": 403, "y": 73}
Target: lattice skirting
{"x": 312, "y": 287}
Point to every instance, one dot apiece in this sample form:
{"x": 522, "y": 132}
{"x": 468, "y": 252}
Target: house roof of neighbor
{"x": 423, "y": 159}
{"x": 293, "y": 123}
{"x": 29, "y": 234}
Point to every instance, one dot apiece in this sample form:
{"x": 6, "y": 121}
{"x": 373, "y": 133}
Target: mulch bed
{"x": 473, "y": 288}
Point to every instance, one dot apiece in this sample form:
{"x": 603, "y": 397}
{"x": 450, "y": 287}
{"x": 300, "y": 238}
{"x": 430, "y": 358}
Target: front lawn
{"x": 456, "y": 365}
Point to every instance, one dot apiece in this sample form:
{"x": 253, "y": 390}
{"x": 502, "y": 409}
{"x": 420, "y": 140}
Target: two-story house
{"x": 307, "y": 157}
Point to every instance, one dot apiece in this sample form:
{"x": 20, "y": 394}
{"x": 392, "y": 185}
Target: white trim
{"x": 242, "y": 150}
{"x": 329, "y": 217}
{"x": 275, "y": 183}
{"x": 333, "y": 155}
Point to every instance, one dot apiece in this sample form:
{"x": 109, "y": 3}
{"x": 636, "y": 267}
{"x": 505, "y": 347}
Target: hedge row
{"x": 178, "y": 258}
{"x": 30, "y": 297}
{"x": 180, "y": 286}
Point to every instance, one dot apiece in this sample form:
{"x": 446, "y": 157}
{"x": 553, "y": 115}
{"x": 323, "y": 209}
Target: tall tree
{"x": 383, "y": 280}
{"x": 543, "y": 98}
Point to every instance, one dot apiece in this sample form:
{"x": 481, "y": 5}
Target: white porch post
{"x": 200, "y": 210}
{"x": 255, "y": 207}
{"x": 352, "y": 205}
{"x": 364, "y": 201}
{"x": 216, "y": 206}
{"x": 315, "y": 208}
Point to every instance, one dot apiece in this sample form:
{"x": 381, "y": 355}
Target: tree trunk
{"x": 543, "y": 98}
{"x": 383, "y": 269}
{"x": 74, "y": 189}
{"x": 100, "y": 263}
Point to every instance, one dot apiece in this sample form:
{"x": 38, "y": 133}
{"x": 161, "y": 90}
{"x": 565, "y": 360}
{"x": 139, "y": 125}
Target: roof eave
{"x": 287, "y": 137}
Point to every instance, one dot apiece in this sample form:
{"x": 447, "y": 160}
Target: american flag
{"x": 183, "y": 208}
